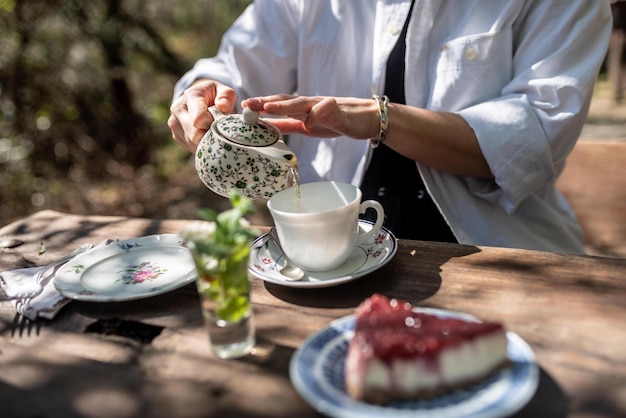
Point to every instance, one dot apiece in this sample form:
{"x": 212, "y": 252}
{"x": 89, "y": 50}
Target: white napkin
{"x": 45, "y": 304}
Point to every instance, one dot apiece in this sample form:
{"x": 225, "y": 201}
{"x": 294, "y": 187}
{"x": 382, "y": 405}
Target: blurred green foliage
{"x": 85, "y": 90}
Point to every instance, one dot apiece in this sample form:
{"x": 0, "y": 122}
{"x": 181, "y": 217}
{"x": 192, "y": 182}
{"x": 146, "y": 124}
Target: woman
{"x": 496, "y": 95}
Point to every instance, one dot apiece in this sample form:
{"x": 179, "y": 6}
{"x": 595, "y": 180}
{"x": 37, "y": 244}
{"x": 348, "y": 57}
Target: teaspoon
{"x": 290, "y": 271}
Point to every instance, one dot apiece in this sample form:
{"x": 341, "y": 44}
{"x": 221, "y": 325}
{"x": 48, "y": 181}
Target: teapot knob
{"x": 250, "y": 116}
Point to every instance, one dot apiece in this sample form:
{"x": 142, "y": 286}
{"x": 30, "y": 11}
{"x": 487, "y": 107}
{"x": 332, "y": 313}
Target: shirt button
{"x": 471, "y": 54}
{"x": 394, "y": 30}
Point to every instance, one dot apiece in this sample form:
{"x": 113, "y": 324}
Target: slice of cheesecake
{"x": 399, "y": 354}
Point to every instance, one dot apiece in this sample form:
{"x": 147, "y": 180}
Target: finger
{"x": 259, "y": 103}
{"x": 183, "y": 120}
{"x": 178, "y": 134}
{"x": 290, "y": 105}
{"x": 176, "y": 121}
{"x": 293, "y": 126}
{"x": 177, "y": 130}
{"x": 290, "y": 126}
{"x": 197, "y": 105}
{"x": 325, "y": 113}
{"x": 253, "y": 103}
{"x": 225, "y": 98}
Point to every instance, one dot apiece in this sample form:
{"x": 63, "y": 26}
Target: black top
{"x": 393, "y": 180}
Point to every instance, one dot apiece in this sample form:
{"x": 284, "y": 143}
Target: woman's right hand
{"x": 190, "y": 119}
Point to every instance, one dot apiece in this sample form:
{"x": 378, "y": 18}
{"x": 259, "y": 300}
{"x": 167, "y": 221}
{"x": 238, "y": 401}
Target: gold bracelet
{"x": 383, "y": 114}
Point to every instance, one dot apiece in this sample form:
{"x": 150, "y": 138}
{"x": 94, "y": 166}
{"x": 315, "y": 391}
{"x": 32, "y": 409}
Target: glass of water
{"x": 220, "y": 247}
{"x": 224, "y": 290}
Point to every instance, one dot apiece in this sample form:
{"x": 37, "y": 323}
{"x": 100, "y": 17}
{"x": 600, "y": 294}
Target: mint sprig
{"x": 231, "y": 229}
{"x": 220, "y": 250}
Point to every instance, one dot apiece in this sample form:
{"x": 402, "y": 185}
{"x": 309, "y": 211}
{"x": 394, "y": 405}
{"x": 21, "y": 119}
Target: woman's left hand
{"x": 322, "y": 117}
{"x": 441, "y": 140}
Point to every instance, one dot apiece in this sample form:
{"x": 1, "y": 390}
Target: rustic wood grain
{"x": 570, "y": 309}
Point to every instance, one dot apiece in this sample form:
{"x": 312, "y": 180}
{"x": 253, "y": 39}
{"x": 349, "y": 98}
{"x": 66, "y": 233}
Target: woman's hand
{"x": 190, "y": 119}
{"x": 322, "y": 117}
{"x": 441, "y": 140}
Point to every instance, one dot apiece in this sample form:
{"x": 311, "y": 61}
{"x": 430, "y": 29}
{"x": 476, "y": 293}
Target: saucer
{"x": 127, "y": 270}
{"x": 266, "y": 260}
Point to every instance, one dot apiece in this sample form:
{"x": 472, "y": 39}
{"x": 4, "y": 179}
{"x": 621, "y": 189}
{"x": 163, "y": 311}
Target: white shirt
{"x": 521, "y": 73}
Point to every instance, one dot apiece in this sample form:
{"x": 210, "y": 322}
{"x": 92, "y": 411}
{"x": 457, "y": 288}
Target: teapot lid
{"x": 247, "y": 129}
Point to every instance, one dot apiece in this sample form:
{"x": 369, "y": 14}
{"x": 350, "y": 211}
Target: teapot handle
{"x": 215, "y": 112}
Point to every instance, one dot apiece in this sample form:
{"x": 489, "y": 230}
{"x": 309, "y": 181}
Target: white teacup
{"x": 323, "y": 232}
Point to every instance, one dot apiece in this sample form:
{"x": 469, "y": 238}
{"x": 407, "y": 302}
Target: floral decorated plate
{"x": 266, "y": 260}
{"x": 127, "y": 270}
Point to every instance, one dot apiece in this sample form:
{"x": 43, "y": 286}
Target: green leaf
{"x": 222, "y": 258}
{"x": 208, "y": 214}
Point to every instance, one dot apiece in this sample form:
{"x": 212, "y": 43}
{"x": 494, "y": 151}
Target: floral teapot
{"x": 244, "y": 153}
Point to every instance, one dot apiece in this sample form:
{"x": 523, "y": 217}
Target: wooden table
{"x": 150, "y": 358}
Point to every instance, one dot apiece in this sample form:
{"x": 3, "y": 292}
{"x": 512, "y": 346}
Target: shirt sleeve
{"x": 256, "y": 55}
{"x": 527, "y": 132}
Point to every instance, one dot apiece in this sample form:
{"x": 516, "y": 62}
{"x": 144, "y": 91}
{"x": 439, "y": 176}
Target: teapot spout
{"x": 293, "y": 160}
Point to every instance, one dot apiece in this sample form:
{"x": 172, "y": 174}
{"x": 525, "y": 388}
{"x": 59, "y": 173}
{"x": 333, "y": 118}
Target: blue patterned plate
{"x": 266, "y": 260}
{"x": 316, "y": 371}
{"x": 126, "y": 270}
